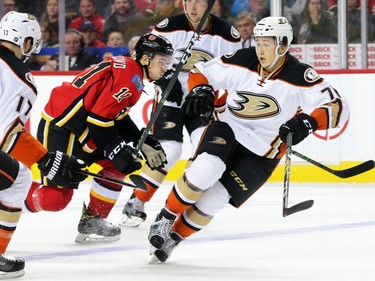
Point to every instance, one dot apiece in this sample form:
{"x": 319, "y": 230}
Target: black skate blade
{"x": 138, "y": 182}
{"x": 298, "y": 207}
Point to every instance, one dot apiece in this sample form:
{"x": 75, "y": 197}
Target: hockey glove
{"x": 176, "y": 93}
{"x": 300, "y": 125}
{"x": 153, "y": 152}
{"x": 62, "y": 169}
{"x": 200, "y": 101}
{"x": 121, "y": 156}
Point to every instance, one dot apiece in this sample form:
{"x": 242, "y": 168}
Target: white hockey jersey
{"x": 17, "y": 95}
{"x": 256, "y": 106}
{"x": 218, "y": 39}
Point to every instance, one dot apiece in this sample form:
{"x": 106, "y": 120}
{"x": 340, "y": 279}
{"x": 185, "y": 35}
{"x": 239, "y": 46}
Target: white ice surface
{"x": 334, "y": 240}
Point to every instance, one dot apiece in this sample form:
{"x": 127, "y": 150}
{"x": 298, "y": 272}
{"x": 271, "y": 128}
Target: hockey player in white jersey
{"x": 20, "y": 36}
{"x": 270, "y": 94}
{"x": 216, "y": 38}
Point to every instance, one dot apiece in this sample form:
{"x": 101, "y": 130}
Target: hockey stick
{"x": 346, "y": 173}
{"x": 300, "y": 206}
{"x": 139, "y": 183}
{"x": 168, "y": 89}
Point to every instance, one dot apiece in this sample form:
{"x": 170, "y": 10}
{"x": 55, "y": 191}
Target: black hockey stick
{"x": 346, "y": 173}
{"x": 168, "y": 89}
{"x": 300, "y": 206}
{"x": 139, "y": 183}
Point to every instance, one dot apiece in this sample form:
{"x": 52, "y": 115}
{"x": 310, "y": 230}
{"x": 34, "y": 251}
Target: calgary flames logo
{"x": 254, "y": 106}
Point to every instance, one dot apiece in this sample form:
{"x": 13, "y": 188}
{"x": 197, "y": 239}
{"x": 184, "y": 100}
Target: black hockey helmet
{"x": 152, "y": 44}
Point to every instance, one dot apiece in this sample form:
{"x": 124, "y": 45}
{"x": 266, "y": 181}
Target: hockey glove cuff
{"x": 62, "y": 169}
{"x": 153, "y": 153}
{"x": 200, "y": 101}
{"x": 300, "y": 125}
{"x": 121, "y": 156}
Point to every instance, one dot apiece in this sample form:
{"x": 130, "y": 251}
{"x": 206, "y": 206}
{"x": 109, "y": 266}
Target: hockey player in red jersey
{"x": 20, "y": 36}
{"x": 270, "y": 94}
{"x": 216, "y": 38}
{"x": 89, "y": 118}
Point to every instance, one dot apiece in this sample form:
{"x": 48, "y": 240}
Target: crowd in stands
{"x": 117, "y": 23}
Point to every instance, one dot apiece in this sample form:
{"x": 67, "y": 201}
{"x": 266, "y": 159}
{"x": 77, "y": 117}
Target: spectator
{"x": 131, "y": 44}
{"x": 245, "y": 22}
{"x": 79, "y": 59}
{"x": 115, "y": 39}
{"x": 50, "y": 15}
{"x": 259, "y": 9}
{"x": 318, "y": 25}
{"x": 10, "y": 5}
{"x": 49, "y": 35}
{"x": 88, "y": 13}
{"x": 370, "y": 5}
{"x": 163, "y": 9}
{"x": 89, "y": 35}
{"x": 354, "y": 22}
{"x": 219, "y": 10}
{"x": 125, "y": 19}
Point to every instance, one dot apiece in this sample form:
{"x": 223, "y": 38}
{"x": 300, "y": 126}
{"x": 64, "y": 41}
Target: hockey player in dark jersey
{"x": 89, "y": 118}
{"x": 20, "y": 36}
{"x": 270, "y": 94}
{"x": 217, "y": 38}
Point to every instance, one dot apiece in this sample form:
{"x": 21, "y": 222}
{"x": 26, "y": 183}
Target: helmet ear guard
{"x": 16, "y": 27}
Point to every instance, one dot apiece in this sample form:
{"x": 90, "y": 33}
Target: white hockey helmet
{"x": 15, "y": 27}
{"x": 277, "y": 27}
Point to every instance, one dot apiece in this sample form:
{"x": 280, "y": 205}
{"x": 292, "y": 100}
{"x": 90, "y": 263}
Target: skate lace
{"x": 6, "y": 260}
{"x": 137, "y": 204}
{"x": 162, "y": 227}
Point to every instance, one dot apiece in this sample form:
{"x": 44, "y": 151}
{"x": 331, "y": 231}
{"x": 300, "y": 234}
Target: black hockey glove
{"x": 301, "y": 126}
{"x": 176, "y": 93}
{"x": 200, "y": 101}
{"x": 61, "y": 169}
{"x": 153, "y": 152}
{"x": 121, "y": 156}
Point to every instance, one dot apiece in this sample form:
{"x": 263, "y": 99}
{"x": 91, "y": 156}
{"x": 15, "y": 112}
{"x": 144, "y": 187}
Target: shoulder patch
{"x": 234, "y": 32}
{"x": 163, "y": 23}
{"x": 311, "y": 75}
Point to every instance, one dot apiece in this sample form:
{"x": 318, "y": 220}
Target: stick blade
{"x": 138, "y": 182}
{"x": 353, "y": 171}
{"x": 298, "y": 207}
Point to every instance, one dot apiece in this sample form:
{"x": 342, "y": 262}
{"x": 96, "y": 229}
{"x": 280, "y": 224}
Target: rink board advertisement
{"x": 337, "y": 148}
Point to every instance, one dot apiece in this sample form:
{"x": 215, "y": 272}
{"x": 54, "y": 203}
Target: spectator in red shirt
{"x": 88, "y": 13}
{"x": 89, "y": 35}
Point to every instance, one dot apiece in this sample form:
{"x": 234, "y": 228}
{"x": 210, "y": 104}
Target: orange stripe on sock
{"x": 145, "y": 196}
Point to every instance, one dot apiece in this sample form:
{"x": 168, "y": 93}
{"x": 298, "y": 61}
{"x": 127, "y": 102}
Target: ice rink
{"x": 334, "y": 240}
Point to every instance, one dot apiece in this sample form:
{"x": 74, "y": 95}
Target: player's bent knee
{"x": 218, "y": 140}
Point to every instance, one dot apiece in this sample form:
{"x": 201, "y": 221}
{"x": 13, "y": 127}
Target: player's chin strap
{"x": 277, "y": 56}
{"x": 145, "y": 67}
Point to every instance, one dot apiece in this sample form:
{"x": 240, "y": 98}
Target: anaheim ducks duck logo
{"x": 254, "y": 106}
{"x": 195, "y": 56}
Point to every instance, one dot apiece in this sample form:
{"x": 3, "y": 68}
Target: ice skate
{"x": 11, "y": 267}
{"x": 133, "y": 212}
{"x": 162, "y": 254}
{"x": 95, "y": 229}
{"x": 159, "y": 229}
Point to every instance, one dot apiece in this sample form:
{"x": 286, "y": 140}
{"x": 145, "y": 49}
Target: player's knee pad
{"x": 192, "y": 123}
{"x": 213, "y": 200}
{"x": 205, "y": 170}
{"x": 173, "y": 150}
{"x": 46, "y": 198}
{"x": 219, "y": 140}
{"x": 168, "y": 125}
{"x": 14, "y": 195}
